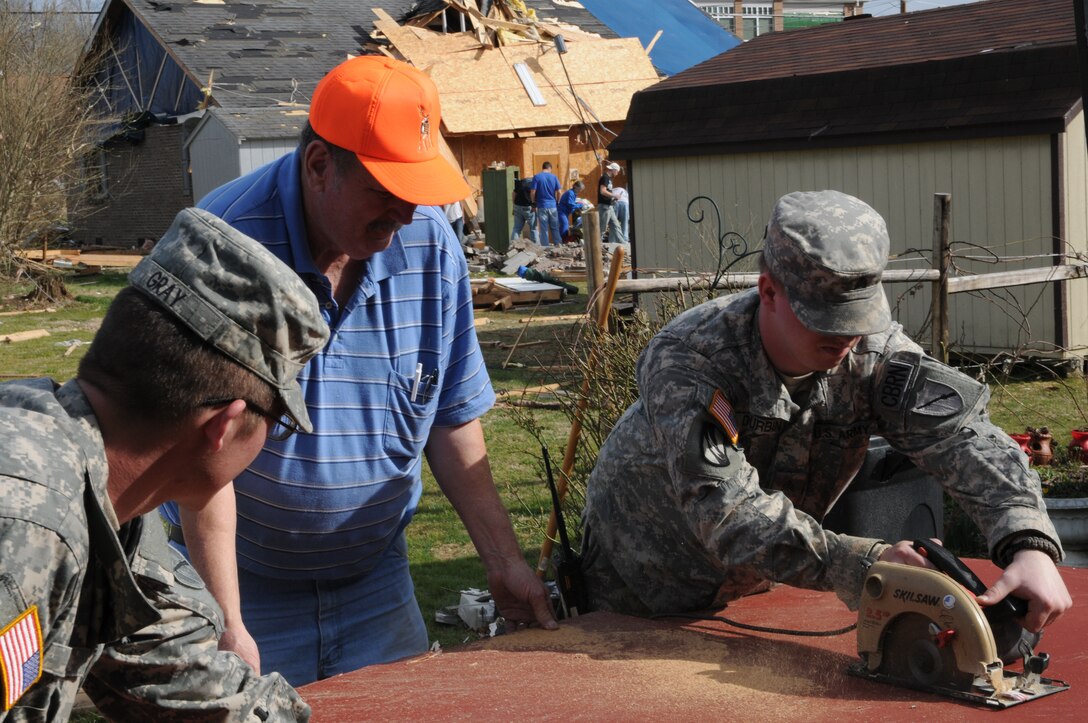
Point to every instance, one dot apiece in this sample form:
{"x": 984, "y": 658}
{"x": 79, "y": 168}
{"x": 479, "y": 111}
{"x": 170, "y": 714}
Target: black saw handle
{"x": 952, "y": 566}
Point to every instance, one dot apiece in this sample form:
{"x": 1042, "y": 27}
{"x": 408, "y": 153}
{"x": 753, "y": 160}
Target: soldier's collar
{"x": 769, "y": 396}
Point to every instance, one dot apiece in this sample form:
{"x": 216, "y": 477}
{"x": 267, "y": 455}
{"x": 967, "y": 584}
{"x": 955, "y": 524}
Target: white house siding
{"x": 256, "y": 153}
{"x": 1001, "y": 200}
{"x": 213, "y": 156}
{"x": 217, "y": 155}
{"x": 1075, "y": 220}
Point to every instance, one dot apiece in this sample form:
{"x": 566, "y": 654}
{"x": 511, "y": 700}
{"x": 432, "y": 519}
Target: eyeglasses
{"x": 282, "y": 426}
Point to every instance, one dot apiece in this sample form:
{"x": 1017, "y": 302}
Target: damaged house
{"x": 211, "y": 89}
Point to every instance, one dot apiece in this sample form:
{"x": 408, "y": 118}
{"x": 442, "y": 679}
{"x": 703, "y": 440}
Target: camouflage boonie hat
{"x": 829, "y": 250}
{"x": 238, "y": 297}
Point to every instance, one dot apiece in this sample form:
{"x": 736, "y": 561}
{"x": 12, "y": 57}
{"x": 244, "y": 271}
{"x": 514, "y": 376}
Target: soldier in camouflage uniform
{"x": 755, "y": 413}
{"x": 193, "y": 365}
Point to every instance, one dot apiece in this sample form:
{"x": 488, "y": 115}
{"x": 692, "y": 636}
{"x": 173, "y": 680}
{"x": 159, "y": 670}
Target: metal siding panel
{"x": 851, "y": 174}
{"x": 647, "y": 202}
{"x": 709, "y": 183}
{"x": 767, "y": 193}
{"x": 213, "y": 155}
{"x": 998, "y": 322}
{"x": 877, "y": 194}
{"x": 961, "y": 174}
{"x": 661, "y": 256}
{"x": 257, "y": 153}
{"x": 998, "y": 188}
{"x": 677, "y": 176}
{"x": 1075, "y": 232}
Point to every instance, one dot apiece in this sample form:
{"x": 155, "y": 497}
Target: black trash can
{"x": 889, "y": 499}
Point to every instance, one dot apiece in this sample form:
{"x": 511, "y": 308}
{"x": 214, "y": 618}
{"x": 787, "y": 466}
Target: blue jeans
{"x": 611, "y": 224}
{"x": 623, "y": 211}
{"x": 524, "y": 215}
{"x": 313, "y": 629}
{"x": 548, "y": 218}
{"x": 564, "y": 222}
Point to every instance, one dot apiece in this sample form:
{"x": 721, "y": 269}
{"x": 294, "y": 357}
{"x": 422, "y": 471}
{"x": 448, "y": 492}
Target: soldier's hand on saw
{"x": 903, "y": 552}
{"x": 1032, "y": 575}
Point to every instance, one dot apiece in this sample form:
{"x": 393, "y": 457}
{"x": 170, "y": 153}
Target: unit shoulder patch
{"x": 935, "y": 399}
{"x": 20, "y": 655}
{"x": 721, "y": 410}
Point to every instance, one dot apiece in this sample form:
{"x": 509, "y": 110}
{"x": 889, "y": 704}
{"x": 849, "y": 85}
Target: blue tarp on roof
{"x": 689, "y": 36}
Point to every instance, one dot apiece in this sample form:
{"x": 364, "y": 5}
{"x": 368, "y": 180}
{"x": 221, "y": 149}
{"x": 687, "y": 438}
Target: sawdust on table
{"x": 682, "y": 669}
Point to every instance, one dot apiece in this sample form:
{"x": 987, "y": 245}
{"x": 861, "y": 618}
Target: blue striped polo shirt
{"x": 328, "y": 504}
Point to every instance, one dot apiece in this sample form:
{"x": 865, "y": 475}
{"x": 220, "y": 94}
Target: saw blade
{"x": 911, "y": 653}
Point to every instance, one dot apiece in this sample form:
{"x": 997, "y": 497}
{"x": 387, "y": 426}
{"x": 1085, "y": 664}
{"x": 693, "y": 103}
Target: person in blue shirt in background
{"x": 545, "y": 198}
{"x": 567, "y": 203}
{"x": 306, "y": 552}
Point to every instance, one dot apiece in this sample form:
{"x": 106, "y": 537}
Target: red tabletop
{"x": 606, "y": 667}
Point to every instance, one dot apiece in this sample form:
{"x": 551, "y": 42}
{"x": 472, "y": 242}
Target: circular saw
{"x": 923, "y": 629}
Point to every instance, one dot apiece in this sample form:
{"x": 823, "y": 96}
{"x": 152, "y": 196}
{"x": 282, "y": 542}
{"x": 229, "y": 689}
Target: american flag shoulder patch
{"x": 20, "y": 655}
{"x": 722, "y": 410}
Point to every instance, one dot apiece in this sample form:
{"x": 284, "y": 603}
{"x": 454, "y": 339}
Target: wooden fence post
{"x": 591, "y": 234}
{"x": 942, "y": 260}
{"x": 608, "y": 292}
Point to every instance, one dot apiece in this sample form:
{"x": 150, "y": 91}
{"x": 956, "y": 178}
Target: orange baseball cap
{"x": 387, "y": 113}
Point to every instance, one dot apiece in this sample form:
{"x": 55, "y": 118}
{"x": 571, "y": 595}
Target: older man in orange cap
{"x": 306, "y": 552}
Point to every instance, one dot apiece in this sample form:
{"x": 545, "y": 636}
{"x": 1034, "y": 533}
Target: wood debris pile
{"x": 502, "y": 22}
{"x": 504, "y": 293}
{"x": 506, "y": 75}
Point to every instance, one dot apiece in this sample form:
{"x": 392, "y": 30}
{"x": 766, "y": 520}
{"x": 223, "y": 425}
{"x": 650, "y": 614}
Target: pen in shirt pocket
{"x": 431, "y": 381}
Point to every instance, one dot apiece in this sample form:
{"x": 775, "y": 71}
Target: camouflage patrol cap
{"x": 238, "y": 297}
{"x": 829, "y": 250}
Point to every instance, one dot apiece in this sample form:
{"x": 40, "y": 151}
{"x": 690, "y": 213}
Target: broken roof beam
{"x": 495, "y": 24}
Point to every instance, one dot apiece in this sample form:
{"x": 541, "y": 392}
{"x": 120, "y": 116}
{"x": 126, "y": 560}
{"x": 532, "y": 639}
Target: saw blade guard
{"x": 940, "y": 616}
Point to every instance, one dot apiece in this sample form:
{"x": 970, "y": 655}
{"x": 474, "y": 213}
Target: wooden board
{"x": 23, "y": 336}
{"x": 90, "y": 258}
{"x": 28, "y": 311}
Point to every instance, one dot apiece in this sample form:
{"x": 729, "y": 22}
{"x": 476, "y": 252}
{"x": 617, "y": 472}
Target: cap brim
{"x": 427, "y": 183}
{"x": 296, "y": 406}
{"x": 856, "y": 317}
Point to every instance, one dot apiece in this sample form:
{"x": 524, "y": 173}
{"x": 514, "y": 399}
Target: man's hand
{"x": 237, "y": 639}
{"x": 458, "y": 458}
{"x": 1032, "y": 575}
{"x": 520, "y": 596}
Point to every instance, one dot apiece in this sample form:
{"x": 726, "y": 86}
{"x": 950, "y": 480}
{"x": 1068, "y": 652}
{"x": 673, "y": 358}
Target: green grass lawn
{"x": 443, "y": 559}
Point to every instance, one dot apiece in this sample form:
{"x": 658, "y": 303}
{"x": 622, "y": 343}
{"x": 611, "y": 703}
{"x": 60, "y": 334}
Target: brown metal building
{"x": 982, "y": 101}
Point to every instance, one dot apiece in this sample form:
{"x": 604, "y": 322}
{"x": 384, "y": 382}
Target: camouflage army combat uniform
{"x": 120, "y": 613}
{"x": 715, "y": 481}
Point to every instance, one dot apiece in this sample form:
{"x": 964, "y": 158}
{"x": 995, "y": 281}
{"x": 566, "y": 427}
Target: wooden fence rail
{"x": 943, "y": 281}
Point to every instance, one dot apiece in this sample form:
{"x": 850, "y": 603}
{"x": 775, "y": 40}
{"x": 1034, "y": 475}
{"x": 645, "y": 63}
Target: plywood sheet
{"x": 481, "y": 91}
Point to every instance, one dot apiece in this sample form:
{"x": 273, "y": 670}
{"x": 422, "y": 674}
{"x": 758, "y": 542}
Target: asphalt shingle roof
{"x": 990, "y": 68}
{"x": 268, "y": 53}
{"x": 260, "y": 52}
{"x": 993, "y": 26}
